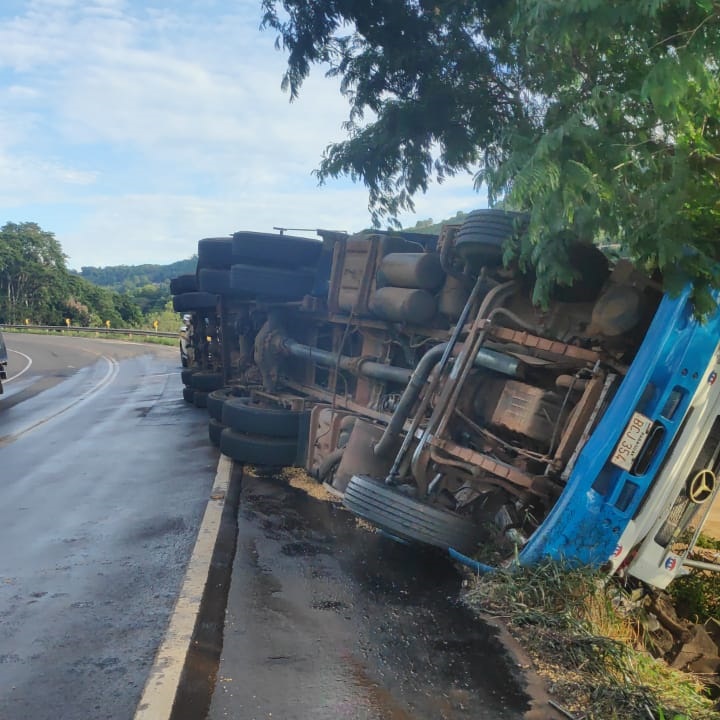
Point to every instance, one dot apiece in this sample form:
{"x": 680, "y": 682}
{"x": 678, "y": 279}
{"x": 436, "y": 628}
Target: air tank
{"x": 411, "y": 270}
{"x": 403, "y": 305}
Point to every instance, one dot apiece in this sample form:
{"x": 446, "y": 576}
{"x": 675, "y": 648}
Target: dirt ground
{"x": 712, "y": 526}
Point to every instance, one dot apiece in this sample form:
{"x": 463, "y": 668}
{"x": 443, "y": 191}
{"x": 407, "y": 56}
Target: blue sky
{"x": 133, "y": 129}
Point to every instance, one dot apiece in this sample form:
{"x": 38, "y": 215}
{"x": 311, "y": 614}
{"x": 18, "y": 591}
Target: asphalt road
{"x": 104, "y": 475}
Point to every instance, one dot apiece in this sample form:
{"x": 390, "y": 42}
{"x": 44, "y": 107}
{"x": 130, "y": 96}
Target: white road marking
{"x": 110, "y": 375}
{"x": 24, "y": 370}
{"x": 161, "y": 687}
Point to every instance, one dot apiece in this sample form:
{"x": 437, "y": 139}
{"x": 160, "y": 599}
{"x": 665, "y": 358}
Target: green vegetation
{"x": 37, "y": 287}
{"x": 75, "y": 331}
{"x": 168, "y": 320}
{"x": 587, "y": 645}
{"x": 697, "y": 596}
{"x": 429, "y": 227}
{"x": 126, "y": 278}
{"x": 147, "y": 286}
{"x": 599, "y": 117}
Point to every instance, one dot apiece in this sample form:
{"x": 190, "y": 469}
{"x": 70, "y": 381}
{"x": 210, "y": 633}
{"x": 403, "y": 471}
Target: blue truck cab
{"x": 647, "y": 473}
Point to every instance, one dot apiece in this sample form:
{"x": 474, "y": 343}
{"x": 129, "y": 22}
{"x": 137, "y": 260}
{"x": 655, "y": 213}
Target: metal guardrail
{"x": 69, "y": 329}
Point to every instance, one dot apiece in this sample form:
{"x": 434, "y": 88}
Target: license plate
{"x": 632, "y": 441}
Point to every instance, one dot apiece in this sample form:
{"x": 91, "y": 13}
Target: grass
{"x": 696, "y": 596}
{"x": 705, "y": 541}
{"x": 588, "y": 645}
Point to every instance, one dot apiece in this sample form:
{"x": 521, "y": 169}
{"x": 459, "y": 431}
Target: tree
{"x": 626, "y": 138}
{"x": 36, "y": 284}
{"x": 129, "y": 312}
{"x": 99, "y": 304}
{"x": 424, "y": 71}
{"x": 151, "y": 298}
{"x": 598, "y": 117}
{"x": 32, "y": 272}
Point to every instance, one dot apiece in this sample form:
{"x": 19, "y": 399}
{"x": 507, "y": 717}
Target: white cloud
{"x": 163, "y": 228}
{"x": 167, "y": 227}
{"x": 22, "y": 177}
{"x": 22, "y": 93}
{"x": 153, "y": 126}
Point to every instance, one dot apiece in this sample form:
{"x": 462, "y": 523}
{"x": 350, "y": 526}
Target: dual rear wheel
{"x": 259, "y": 434}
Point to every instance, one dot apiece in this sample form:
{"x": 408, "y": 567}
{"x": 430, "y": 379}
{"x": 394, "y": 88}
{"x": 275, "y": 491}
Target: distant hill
{"x": 125, "y": 278}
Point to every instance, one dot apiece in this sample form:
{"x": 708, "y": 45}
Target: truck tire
{"x": 258, "y": 449}
{"x": 206, "y": 381}
{"x": 188, "y": 394}
{"x": 408, "y": 518}
{"x": 216, "y": 400}
{"x": 200, "y": 398}
{"x": 481, "y": 236}
{"x": 188, "y": 302}
{"x": 215, "y": 252}
{"x": 183, "y": 284}
{"x": 244, "y": 416}
{"x": 186, "y": 374}
{"x": 272, "y": 283}
{"x": 215, "y": 428}
{"x": 254, "y": 248}
{"x": 213, "y": 280}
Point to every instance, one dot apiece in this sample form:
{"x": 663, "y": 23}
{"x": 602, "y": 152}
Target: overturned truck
{"x": 413, "y": 376}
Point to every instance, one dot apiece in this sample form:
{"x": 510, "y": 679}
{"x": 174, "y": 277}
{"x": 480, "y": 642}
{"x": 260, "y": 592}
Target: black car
{"x": 3, "y": 361}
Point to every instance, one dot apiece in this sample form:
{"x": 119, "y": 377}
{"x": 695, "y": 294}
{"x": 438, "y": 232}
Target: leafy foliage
{"x": 599, "y": 117}
{"x": 35, "y": 284}
{"x": 32, "y": 271}
{"x": 423, "y": 71}
{"x": 625, "y": 139}
{"x": 697, "y": 596}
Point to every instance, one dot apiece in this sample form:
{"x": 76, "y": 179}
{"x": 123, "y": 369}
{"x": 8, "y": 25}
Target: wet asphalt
{"x": 327, "y": 620}
{"x": 104, "y": 475}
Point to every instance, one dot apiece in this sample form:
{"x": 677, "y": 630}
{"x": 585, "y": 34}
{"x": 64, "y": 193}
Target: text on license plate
{"x": 631, "y": 441}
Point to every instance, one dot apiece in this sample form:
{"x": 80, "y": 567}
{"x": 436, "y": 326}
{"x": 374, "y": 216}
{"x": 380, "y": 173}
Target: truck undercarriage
{"x": 418, "y": 381}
